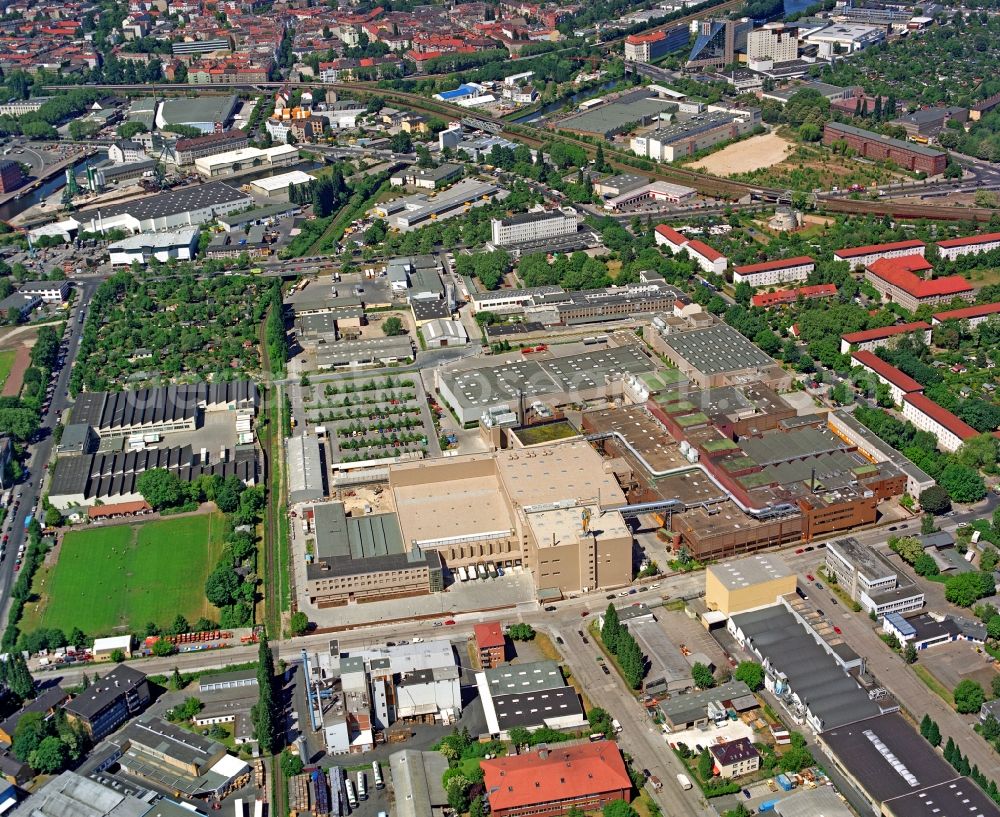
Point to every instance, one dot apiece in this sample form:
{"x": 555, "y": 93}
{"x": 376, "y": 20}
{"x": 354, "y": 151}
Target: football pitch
{"x": 116, "y": 579}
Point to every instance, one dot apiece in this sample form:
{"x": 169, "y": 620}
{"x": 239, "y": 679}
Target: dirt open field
{"x": 15, "y": 348}
{"x": 750, "y": 154}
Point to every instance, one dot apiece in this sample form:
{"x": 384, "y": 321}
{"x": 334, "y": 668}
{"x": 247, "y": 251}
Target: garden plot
{"x": 370, "y": 419}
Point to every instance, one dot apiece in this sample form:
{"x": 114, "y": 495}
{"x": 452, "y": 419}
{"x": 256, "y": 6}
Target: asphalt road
{"x": 29, "y": 491}
{"x": 640, "y": 737}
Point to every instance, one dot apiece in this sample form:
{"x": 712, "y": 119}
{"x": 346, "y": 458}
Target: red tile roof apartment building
{"x": 897, "y": 280}
{"x": 969, "y": 245}
{"x": 973, "y": 315}
{"x": 899, "y": 383}
{"x": 790, "y": 296}
{"x": 863, "y": 256}
{"x": 709, "y": 259}
{"x": 768, "y": 273}
{"x": 869, "y": 339}
{"x": 872, "y": 145}
{"x": 550, "y": 782}
{"x": 925, "y": 414}
{"x": 490, "y": 644}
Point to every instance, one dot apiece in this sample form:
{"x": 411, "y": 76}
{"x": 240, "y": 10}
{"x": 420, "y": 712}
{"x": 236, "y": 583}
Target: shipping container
{"x": 783, "y": 781}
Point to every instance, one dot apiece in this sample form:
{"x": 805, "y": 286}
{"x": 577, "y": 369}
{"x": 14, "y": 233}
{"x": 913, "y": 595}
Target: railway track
{"x": 702, "y": 182}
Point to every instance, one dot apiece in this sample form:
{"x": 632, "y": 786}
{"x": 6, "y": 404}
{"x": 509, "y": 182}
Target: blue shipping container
{"x": 783, "y": 781}
{"x": 766, "y": 806}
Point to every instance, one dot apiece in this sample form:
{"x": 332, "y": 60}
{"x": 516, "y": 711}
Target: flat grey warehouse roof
{"x": 888, "y": 758}
{"x": 717, "y": 349}
{"x": 184, "y": 200}
{"x": 521, "y": 678}
{"x": 744, "y": 572}
{"x": 198, "y": 109}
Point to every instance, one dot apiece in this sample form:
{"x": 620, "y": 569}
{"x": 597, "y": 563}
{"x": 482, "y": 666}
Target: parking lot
{"x": 956, "y": 661}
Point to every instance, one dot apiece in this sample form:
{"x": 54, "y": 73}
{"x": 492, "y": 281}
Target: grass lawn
{"x": 118, "y": 578}
{"x": 982, "y": 277}
{"x": 6, "y": 362}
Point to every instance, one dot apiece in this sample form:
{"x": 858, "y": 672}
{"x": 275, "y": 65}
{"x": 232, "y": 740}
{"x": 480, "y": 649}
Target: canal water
{"x": 57, "y": 182}
{"x": 573, "y": 100}
{"x": 15, "y": 206}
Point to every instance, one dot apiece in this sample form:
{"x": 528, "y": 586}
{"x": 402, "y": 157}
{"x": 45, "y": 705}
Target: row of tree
{"x": 931, "y": 732}
{"x": 267, "y": 713}
{"x": 622, "y": 644}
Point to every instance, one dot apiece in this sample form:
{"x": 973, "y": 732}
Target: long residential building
{"x": 969, "y": 315}
{"x": 907, "y": 155}
{"x": 927, "y": 415}
{"x": 769, "y": 273}
{"x": 953, "y": 248}
{"x": 871, "y": 339}
{"x": 781, "y": 297}
{"x": 860, "y": 257}
{"x": 706, "y": 257}
{"x": 897, "y": 280}
{"x": 899, "y": 384}
{"x": 531, "y": 227}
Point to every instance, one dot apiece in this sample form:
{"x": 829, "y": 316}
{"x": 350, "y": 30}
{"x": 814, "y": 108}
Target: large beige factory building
{"x": 747, "y": 584}
{"x": 550, "y": 509}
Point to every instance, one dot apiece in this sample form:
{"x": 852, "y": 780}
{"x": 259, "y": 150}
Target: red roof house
{"x": 490, "y": 643}
{"x": 548, "y": 782}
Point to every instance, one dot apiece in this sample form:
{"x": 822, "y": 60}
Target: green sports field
{"x": 118, "y": 578}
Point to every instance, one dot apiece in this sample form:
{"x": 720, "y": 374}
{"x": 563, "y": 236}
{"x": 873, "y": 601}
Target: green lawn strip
{"x": 933, "y": 684}
{"x": 6, "y": 364}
